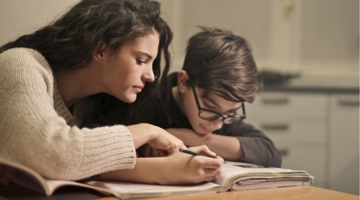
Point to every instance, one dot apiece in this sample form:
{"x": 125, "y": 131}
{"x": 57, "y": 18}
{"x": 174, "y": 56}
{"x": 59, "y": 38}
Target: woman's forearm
{"x": 140, "y": 134}
{"x": 146, "y": 170}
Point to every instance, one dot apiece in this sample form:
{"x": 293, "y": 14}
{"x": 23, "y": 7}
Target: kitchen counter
{"x": 316, "y": 84}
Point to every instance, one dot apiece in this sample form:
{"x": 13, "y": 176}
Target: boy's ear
{"x": 99, "y": 51}
{"x": 182, "y": 80}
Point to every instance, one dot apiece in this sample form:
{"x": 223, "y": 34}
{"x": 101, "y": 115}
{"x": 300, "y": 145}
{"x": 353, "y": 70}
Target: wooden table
{"x": 288, "y": 193}
{"x": 15, "y": 192}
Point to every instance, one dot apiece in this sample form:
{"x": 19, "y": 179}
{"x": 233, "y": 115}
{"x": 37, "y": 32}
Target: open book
{"x": 233, "y": 176}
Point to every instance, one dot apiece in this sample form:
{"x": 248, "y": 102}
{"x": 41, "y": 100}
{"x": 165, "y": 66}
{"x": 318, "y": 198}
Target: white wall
{"x": 318, "y": 37}
{"x": 249, "y": 18}
{"x": 18, "y": 17}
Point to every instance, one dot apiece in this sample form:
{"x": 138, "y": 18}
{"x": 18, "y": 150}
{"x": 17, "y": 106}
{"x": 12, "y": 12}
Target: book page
{"x": 27, "y": 177}
{"x": 24, "y": 176}
{"x": 55, "y": 184}
{"x": 248, "y": 185}
{"x": 230, "y": 175}
{"x": 126, "y": 190}
{"x": 243, "y": 164}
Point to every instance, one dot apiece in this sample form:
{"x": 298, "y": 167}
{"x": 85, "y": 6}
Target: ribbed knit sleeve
{"x": 37, "y": 130}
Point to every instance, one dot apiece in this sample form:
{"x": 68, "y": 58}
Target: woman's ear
{"x": 182, "y": 80}
{"x": 99, "y": 51}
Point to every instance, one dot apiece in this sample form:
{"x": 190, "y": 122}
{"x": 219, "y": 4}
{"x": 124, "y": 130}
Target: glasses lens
{"x": 208, "y": 115}
{"x": 230, "y": 120}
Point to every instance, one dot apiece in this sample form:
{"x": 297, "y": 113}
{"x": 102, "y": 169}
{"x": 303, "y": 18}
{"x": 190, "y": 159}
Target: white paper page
{"x": 229, "y": 172}
{"x": 138, "y": 190}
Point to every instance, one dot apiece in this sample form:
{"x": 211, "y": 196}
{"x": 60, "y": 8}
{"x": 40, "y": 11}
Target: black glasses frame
{"x": 234, "y": 118}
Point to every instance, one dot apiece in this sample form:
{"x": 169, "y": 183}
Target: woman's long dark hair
{"x": 69, "y": 42}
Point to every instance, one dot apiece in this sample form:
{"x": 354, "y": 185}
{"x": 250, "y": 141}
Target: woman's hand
{"x": 155, "y": 137}
{"x": 177, "y": 169}
{"x": 192, "y": 169}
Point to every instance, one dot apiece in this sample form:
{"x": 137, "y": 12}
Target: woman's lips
{"x": 138, "y": 89}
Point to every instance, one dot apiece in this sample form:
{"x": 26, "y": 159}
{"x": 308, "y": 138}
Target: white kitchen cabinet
{"x": 297, "y": 124}
{"x": 317, "y": 132}
{"x": 344, "y": 143}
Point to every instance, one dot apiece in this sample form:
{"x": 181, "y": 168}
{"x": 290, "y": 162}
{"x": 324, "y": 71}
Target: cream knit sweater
{"x": 38, "y": 130}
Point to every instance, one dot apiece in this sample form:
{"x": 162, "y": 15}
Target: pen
{"x": 193, "y": 153}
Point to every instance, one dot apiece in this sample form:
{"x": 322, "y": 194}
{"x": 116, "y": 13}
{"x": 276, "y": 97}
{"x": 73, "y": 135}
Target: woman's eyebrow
{"x": 144, "y": 54}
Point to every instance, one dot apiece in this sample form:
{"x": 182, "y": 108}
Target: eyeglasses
{"x": 212, "y": 115}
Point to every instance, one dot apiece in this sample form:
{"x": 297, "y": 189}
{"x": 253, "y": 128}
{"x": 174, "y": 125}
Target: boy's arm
{"x": 258, "y": 148}
{"x": 227, "y": 147}
{"x": 238, "y": 142}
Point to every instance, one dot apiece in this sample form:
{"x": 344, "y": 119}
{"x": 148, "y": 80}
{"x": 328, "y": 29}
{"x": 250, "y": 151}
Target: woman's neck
{"x": 75, "y": 85}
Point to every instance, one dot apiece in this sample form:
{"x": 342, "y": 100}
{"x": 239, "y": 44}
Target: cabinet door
{"x": 344, "y": 143}
{"x": 303, "y": 156}
{"x": 296, "y": 122}
{"x": 290, "y": 106}
{"x": 312, "y": 132}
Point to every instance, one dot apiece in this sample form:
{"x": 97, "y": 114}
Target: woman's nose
{"x": 148, "y": 75}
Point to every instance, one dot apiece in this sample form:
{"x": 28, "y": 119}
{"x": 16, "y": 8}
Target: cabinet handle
{"x": 275, "y": 101}
{"x": 345, "y": 102}
{"x": 275, "y": 127}
{"x": 284, "y": 152}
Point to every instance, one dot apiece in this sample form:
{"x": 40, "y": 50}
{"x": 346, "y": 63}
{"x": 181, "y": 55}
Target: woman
{"x": 47, "y": 77}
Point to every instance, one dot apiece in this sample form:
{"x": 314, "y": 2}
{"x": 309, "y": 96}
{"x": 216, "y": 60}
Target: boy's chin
{"x": 202, "y": 133}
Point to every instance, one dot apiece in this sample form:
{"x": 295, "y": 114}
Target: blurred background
{"x": 307, "y": 52}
